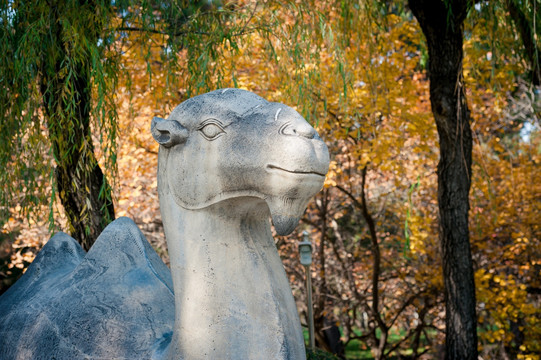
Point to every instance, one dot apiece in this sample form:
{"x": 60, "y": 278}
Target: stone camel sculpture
{"x": 228, "y": 161}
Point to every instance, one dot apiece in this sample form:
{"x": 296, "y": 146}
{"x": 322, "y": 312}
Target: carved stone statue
{"x": 228, "y": 161}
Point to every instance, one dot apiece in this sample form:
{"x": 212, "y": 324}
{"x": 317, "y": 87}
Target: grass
{"x": 354, "y": 349}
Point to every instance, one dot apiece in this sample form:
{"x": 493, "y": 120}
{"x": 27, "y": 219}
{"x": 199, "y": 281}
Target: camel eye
{"x": 211, "y": 130}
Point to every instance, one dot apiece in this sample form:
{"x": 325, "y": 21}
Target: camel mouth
{"x": 296, "y": 172}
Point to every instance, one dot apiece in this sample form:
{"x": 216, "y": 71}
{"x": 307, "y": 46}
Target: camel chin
{"x": 296, "y": 189}
{"x": 285, "y": 214}
{"x": 284, "y": 224}
{"x": 287, "y": 211}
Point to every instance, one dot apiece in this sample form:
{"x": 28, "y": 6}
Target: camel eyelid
{"x": 214, "y": 122}
{"x": 211, "y": 129}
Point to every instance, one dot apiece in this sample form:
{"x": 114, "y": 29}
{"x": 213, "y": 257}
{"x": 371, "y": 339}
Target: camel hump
{"x": 123, "y": 247}
{"x": 60, "y": 255}
{"x": 114, "y": 302}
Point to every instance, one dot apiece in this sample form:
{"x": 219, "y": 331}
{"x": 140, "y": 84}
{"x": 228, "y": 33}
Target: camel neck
{"x": 232, "y": 298}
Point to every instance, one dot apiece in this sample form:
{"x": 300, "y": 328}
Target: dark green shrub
{"x": 318, "y": 354}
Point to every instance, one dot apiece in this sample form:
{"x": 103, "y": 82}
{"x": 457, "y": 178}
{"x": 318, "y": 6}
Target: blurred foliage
{"x": 318, "y": 354}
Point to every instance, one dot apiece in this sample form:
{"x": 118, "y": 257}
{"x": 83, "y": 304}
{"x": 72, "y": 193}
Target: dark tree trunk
{"x": 442, "y": 25}
{"x": 66, "y": 88}
{"x": 526, "y": 31}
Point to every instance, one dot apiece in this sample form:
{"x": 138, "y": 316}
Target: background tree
{"x": 54, "y": 68}
{"x": 442, "y": 24}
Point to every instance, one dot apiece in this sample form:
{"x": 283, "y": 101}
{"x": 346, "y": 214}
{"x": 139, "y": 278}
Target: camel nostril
{"x": 304, "y": 130}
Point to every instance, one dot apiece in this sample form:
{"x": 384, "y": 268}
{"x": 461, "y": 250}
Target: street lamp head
{"x": 305, "y": 249}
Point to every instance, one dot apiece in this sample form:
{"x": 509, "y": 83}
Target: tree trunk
{"x": 526, "y": 32}
{"x": 442, "y": 25}
{"x": 66, "y": 88}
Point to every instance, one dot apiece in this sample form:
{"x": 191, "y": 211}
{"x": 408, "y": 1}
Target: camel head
{"x": 232, "y": 143}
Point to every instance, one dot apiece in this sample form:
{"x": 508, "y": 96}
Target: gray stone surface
{"x": 228, "y": 161}
{"x": 115, "y": 302}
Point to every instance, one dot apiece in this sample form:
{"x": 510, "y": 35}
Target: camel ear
{"x": 168, "y": 132}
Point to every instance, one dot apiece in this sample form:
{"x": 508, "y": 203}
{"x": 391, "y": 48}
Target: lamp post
{"x": 305, "y": 250}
